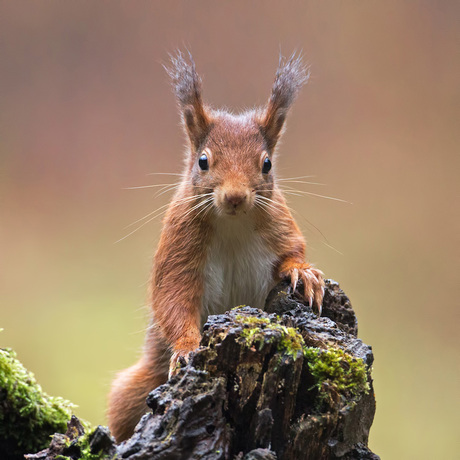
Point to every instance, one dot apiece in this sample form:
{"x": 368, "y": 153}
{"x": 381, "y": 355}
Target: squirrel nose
{"x": 235, "y": 199}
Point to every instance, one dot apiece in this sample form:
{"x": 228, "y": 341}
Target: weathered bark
{"x": 274, "y": 384}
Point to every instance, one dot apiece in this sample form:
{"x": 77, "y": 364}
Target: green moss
{"x": 80, "y": 448}
{"x": 291, "y": 342}
{"x": 28, "y": 416}
{"x": 335, "y": 371}
{"x": 252, "y": 320}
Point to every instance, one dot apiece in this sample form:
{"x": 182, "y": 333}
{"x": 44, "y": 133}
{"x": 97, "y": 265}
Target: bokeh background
{"x": 86, "y": 111}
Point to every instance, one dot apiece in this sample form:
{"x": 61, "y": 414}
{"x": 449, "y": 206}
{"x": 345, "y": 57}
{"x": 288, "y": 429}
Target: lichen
{"x": 336, "y": 372}
{"x": 291, "y": 342}
{"x": 28, "y": 416}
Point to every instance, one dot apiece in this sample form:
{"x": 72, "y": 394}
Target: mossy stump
{"x": 280, "y": 383}
{"x": 264, "y": 385}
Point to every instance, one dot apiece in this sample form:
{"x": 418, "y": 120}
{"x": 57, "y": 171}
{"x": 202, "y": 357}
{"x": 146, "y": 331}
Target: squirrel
{"x": 228, "y": 236}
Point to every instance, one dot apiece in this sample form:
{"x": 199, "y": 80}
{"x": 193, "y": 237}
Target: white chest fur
{"x": 239, "y": 267}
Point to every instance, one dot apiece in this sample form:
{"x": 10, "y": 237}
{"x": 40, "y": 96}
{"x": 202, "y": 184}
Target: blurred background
{"x": 86, "y": 111}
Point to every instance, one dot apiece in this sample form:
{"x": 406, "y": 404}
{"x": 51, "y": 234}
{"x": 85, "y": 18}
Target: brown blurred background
{"x": 86, "y": 111}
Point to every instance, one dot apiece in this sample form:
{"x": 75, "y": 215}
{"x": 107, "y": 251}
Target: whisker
{"x": 205, "y": 209}
{"x": 201, "y": 203}
{"x": 293, "y": 178}
{"x": 296, "y": 192}
{"x": 259, "y": 200}
{"x": 165, "y": 190}
{"x": 274, "y": 204}
{"x": 303, "y": 182}
{"x": 138, "y": 228}
{"x": 179, "y": 202}
{"x": 262, "y": 205}
{"x": 166, "y": 174}
{"x": 177, "y": 185}
{"x": 283, "y": 188}
{"x": 312, "y": 225}
{"x": 265, "y": 207}
{"x": 267, "y": 199}
{"x": 332, "y": 247}
{"x": 146, "y": 216}
{"x": 303, "y": 192}
{"x": 147, "y": 186}
{"x": 271, "y": 208}
{"x": 176, "y": 203}
{"x": 258, "y": 204}
{"x": 263, "y": 199}
{"x": 293, "y": 193}
{"x": 267, "y": 202}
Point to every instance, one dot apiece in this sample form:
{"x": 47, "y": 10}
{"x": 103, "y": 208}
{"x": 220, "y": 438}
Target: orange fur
{"x": 234, "y": 208}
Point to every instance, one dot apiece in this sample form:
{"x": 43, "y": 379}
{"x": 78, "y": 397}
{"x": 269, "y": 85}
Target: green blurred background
{"x": 86, "y": 111}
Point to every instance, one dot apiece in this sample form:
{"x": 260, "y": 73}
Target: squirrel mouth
{"x": 236, "y": 212}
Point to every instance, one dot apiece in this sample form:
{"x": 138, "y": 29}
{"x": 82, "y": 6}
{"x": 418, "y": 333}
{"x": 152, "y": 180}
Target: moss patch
{"x": 336, "y": 372}
{"x": 255, "y": 333}
{"x": 28, "y": 416}
{"x": 81, "y": 448}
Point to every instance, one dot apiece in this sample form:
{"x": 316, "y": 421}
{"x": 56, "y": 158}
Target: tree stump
{"x": 276, "y": 384}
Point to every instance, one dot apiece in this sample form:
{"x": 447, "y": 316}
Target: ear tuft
{"x": 291, "y": 75}
{"x": 187, "y": 88}
{"x": 185, "y": 81}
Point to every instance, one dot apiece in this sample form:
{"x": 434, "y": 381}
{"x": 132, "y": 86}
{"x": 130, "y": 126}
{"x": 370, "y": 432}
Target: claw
{"x": 177, "y": 361}
{"x": 320, "y": 309}
{"x": 310, "y": 300}
{"x": 172, "y": 370}
{"x": 294, "y": 279}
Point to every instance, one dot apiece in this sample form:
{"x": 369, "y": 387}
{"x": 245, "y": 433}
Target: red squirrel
{"x": 228, "y": 236}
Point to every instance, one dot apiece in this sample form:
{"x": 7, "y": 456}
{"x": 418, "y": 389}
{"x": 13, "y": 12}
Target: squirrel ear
{"x": 291, "y": 75}
{"x": 187, "y": 87}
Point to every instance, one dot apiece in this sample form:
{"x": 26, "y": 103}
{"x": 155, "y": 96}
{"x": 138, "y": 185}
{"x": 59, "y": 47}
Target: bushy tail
{"x": 128, "y": 394}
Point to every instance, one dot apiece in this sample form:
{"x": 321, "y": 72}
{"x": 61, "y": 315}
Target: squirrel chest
{"x": 238, "y": 268}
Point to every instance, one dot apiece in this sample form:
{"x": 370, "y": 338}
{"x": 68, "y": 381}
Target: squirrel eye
{"x": 203, "y": 162}
{"x": 267, "y": 166}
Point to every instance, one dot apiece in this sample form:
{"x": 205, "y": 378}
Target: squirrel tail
{"x": 127, "y": 397}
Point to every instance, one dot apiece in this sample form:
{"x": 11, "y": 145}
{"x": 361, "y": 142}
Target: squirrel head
{"x": 229, "y": 157}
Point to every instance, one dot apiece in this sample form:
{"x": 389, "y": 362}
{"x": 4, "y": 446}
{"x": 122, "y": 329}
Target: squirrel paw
{"x": 180, "y": 356}
{"x": 312, "y": 279}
